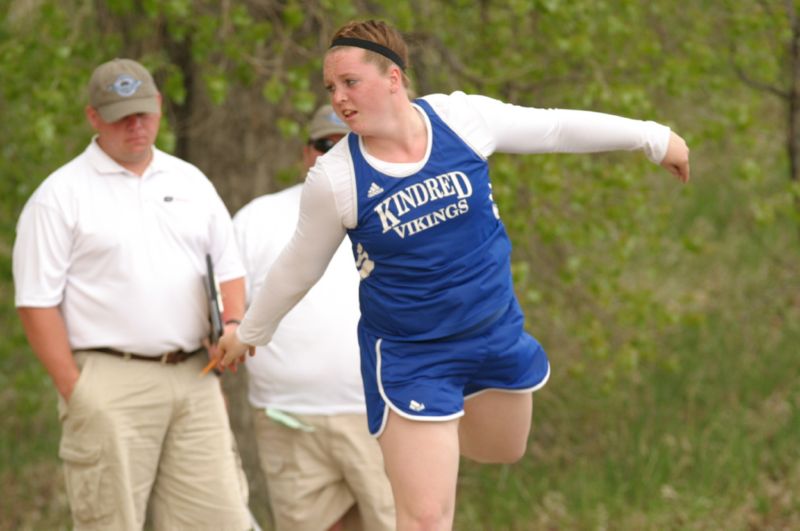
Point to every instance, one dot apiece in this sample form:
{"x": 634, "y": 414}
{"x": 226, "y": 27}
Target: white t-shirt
{"x": 328, "y": 206}
{"x": 311, "y": 366}
{"x": 123, "y": 256}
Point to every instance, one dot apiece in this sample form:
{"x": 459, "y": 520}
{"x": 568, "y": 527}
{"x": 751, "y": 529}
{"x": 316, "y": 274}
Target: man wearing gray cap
{"x": 109, "y": 264}
{"x": 323, "y": 469}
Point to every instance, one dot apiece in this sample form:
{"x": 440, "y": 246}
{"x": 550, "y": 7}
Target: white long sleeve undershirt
{"x": 328, "y": 204}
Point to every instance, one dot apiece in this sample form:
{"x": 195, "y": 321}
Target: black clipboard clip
{"x": 214, "y": 302}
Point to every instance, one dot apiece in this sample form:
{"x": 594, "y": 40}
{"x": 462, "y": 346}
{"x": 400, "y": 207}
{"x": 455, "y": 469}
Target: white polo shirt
{"x": 311, "y": 366}
{"x": 123, "y": 256}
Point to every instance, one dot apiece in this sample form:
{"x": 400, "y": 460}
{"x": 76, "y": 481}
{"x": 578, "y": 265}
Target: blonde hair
{"x": 383, "y": 34}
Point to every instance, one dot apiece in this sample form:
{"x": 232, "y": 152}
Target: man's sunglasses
{"x": 323, "y": 145}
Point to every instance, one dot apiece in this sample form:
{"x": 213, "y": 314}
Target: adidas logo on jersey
{"x": 374, "y": 190}
{"x": 416, "y": 406}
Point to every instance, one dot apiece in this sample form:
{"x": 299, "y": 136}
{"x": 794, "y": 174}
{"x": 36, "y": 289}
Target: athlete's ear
{"x": 395, "y": 78}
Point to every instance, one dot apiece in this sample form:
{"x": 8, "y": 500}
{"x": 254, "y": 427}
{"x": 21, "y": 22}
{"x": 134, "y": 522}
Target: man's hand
{"x": 676, "y": 160}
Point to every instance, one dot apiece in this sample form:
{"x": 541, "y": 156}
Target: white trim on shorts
{"x": 526, "y": 390}
{"x": 388, "y": 403}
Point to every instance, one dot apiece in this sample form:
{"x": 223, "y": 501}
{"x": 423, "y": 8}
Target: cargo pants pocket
{"x": 88, "y": 482}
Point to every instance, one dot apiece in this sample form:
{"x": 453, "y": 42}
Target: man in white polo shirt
{"x": 109, "y": 265}
{"x": 323, "y": 468}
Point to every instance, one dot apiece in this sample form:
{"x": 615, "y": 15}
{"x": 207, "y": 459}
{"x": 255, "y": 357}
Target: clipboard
{"x": 214, "y": 302}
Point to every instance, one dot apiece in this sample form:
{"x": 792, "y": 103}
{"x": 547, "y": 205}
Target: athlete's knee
{"x": 513, "y": 454}
{"x": 429, "y": 516}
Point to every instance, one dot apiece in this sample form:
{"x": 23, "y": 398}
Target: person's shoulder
{"x": 64, "y": 181}
{"x": 273, "y": 199}
{"x": 334, "y": 164}
{"x": 190, "y": 177}
{"x": 168, "y": 162}
{"x": 339, "y": 153}
{"x": 457, "y": 102}
{"x": 440, "y": 102}
{"x": 269, "y": 205}
{"x": 466, "y": 114}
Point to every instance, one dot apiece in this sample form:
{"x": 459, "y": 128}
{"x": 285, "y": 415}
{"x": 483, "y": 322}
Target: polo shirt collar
{"x": 105, "y": 165}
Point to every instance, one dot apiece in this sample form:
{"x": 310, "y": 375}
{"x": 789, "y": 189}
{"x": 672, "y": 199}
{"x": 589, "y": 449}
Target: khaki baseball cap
{"x": 325, "y": 123}
{"x": 122, "y": 87}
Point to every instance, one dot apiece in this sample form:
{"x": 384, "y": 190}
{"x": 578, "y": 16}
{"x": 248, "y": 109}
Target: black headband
{"x": 371, "y": 46}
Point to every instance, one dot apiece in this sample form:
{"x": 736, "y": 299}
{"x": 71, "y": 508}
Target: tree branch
{"x": 754, "y": 83}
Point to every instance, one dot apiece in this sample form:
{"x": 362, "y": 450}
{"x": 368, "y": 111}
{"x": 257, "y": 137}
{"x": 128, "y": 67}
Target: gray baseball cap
{"x": 122, "y": 87}
{"x": 325, "y": 123}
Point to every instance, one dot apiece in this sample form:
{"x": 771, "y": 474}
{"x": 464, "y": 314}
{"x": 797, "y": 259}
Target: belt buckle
{"x": 127, "y": 356}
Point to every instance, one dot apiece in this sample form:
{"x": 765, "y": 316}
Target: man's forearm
{"x": 47, "y": 335}
{"x": 233, "y": 299}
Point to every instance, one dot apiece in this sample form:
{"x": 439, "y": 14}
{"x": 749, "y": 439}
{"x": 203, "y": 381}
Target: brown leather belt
{"x": 170, "y": 358}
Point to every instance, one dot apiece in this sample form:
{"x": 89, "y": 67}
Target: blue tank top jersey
{"x": 433, "y": 255}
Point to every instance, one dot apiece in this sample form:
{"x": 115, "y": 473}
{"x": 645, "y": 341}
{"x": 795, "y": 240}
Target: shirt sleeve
{"x": 41, "y": 256}
{"x": 490, "y": 125}
{"x": 224, "y": 251}
{"x": 300, "y": 265}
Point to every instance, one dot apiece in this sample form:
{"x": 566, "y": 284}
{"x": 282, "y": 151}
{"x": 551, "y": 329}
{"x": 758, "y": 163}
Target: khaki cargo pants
{"x": 138, "y": 434}
{"x": 328, "y": 468}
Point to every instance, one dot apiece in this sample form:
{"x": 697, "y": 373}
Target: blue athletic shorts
{"x": 429, "y": 380}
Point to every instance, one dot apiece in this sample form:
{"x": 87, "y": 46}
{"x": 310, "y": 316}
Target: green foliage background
{"x": 671, "y": 314}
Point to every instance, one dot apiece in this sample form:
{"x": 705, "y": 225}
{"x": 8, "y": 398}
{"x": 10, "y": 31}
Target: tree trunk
{"x": 793, "y": 140}
{"x": 238, "y": 148}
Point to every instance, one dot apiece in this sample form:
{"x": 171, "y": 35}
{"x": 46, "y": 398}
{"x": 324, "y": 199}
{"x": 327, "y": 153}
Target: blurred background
{"x": 671, "y": 314}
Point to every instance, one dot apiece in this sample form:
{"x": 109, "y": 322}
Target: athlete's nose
{"x": 338, "y": 97}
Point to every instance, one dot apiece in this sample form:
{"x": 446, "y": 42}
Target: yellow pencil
{"x": 208, "y": 367}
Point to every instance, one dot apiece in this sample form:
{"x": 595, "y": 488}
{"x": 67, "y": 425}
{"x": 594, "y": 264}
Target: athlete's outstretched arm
{"x": 490, "y": 125}
{"x": 531, "y": 130}
{"x": 300, "y": 265}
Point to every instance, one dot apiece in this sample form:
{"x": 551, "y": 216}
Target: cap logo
{"x": 125, "y": 85}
